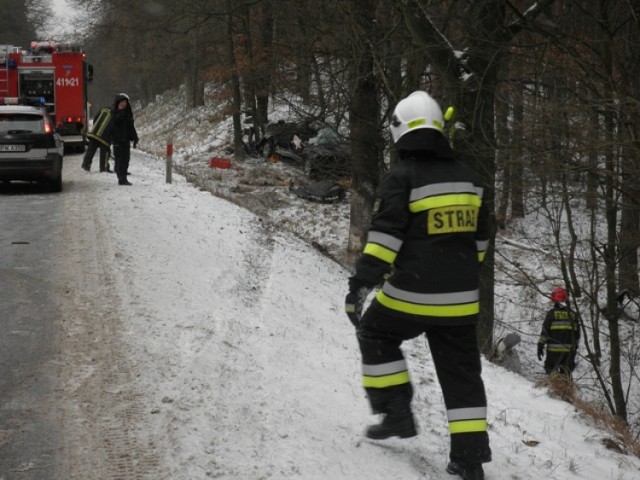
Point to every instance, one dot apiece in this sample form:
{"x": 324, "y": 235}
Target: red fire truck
{"x": 57, "y": 73}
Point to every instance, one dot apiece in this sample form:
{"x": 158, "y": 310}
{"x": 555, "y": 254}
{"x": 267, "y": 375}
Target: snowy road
{"x": 29, "y": 325}
{"x": 197, "y": 341}
{"x": 105, "y": 417}
{"x": 80, "y": 415}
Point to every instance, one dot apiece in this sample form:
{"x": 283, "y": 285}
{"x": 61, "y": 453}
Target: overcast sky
{"x": 64, "y": 28}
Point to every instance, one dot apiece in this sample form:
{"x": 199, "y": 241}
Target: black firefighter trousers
{"x": 122, "y": 154}
{"x": 92, "y": 146}
{"x": 456, "y": 357}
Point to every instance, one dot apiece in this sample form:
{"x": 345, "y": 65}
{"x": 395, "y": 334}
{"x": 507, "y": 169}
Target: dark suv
{"x": 30, "y": 148}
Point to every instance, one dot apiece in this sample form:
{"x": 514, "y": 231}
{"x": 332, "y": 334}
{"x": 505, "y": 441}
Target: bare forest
{"x": 546, "y": 97}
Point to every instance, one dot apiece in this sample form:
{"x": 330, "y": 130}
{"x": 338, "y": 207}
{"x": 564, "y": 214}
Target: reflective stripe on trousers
{"x": 385, "y": 374}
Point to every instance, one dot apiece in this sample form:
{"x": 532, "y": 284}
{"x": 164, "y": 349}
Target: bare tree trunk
{"x": 629, "y": 213}
{"x": 250, "y": 71}
{"x": 304, "y": 67}
{"x": 570, "y": 276}
{"x": 317, "y": 75}
{"x": 610, "y": 261}
{"x": 503, "y": 159}
{"x": 194, "y": 86}
{"x": 364, "y": 112}
{"x": 416, "y": 61}
{"x": 394, "y": 77}
{"x": 191, "y": 82}
{"x": 595, "y": 310}
{"x": 517, "y": 161}
{"x": 263, "y": 79}
{"x": 610, "y": 254}
{"x": 235, "y": 85}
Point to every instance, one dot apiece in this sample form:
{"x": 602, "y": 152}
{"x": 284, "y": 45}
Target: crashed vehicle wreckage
{"x": 320, "y": 151}
{"x": 322, "y": 154}
{"x": 323, "y": 191}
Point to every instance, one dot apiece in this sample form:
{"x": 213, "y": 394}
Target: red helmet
{"x": 559, "y": 295}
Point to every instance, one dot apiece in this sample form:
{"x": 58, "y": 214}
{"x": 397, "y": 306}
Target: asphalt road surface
{"x": 29, "y": 332}
{"x": 69, "y": 405}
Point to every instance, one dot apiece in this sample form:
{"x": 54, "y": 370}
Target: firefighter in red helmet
{"x": 560, "y": 335}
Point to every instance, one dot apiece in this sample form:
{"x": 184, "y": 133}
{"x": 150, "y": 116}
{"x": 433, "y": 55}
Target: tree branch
{"x": 527, "y": 17}
{"x": 445, "y": 59}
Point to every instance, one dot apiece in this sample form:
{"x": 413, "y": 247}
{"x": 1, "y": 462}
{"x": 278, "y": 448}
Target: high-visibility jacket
{"x": 428, "y": 237}
{"x": 101, "y": 130}
{"x": 560, "y": 330}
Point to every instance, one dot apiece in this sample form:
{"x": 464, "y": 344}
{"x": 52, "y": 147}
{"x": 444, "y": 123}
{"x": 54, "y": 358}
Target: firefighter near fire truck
{"x": 99, "y": 138}
{"x": 124, "y": 133}
{"x": 58, "y": 73}
{"x": 428, "y": 237}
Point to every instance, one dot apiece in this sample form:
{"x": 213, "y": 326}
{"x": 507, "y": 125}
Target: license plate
{"x": 13, "y": 148}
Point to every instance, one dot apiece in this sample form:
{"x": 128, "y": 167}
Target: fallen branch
{"x": 522, "y": 246}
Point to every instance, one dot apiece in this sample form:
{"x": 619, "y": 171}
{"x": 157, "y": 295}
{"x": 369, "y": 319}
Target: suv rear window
{"x": 20, "y": 123}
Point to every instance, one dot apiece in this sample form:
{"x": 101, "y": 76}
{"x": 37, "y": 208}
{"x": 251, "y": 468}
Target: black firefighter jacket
{"x": 123, "y": 129}
{"x": 427, "y": 239}
{"x": 560, "y": 330}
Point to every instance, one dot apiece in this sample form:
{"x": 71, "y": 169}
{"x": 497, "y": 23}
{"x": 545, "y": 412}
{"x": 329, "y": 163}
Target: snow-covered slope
{"x": 250, "y": 369}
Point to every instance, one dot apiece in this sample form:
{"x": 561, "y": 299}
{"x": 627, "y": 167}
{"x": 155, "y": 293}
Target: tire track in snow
{"x": 106, "y": 435}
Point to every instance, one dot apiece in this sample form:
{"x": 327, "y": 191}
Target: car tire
{"x": 56, "y": 184}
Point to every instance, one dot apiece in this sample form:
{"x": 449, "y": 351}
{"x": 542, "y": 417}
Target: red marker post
{"x": 169, "y": 166}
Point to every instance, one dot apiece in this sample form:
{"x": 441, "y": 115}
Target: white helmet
{"x": 416, "y": 111}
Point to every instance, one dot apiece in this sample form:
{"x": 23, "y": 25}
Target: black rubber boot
{"x": 395, "y": 424}
{"x": 467, "y": 472}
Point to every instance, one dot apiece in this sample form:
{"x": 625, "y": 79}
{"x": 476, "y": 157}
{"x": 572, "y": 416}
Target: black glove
{"x": 540, "y": 351}
{"x": 135, "y": 144}
{"x": 354, "y": 302}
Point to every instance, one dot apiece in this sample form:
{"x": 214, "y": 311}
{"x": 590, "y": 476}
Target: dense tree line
{"x": 22, "y": 21}
{"x": 546, "y": 97}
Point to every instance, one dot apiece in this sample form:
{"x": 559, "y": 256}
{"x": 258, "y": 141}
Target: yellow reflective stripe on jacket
{"x": 101, "y": 122}
{"x": 558, "y": 348}
{"x": 482, "y": 246}
{"x": 461, "y": 310}
{"x": 444, "y": 188}
{"x": 384, "y": 239}
{"x": 385, "y": 381}
{"x": 98, "y": 139}
{"x": 468, "y": 426}
{"x": 448, "y": 298}
{"x": 445, "y": 201}
{"x": 561, "y": 327}
{"x": 380, "y": 252}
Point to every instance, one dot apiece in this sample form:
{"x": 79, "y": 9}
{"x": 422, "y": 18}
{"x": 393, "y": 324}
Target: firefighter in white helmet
{"x": 428, "y": 237}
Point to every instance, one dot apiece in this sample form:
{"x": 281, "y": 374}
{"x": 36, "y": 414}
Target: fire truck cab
{"x": 58, "y": 73}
